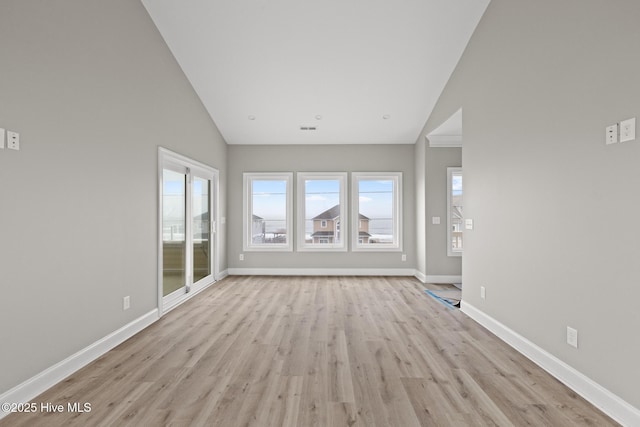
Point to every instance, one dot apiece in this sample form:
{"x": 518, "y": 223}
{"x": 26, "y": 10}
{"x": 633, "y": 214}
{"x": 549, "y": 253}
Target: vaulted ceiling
{"x": 326, "y": 72}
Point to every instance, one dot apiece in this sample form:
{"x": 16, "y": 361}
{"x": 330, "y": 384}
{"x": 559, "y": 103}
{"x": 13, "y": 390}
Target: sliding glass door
{"x": 201, "y": 228}
{"x": 187, "y": 236}
{"x": 174, "y": 226}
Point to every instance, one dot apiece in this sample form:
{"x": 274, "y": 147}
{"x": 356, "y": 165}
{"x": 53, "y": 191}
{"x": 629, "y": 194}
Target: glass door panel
{"x": 200, "y": 211}
{"x": 173, "y": 231}
{"x": 187, "y": 232}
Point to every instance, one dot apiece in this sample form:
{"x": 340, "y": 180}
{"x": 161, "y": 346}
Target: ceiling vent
{"x": 307, "y": 128}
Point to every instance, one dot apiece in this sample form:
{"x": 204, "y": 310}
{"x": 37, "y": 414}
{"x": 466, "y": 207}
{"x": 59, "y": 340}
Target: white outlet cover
{"x": 435, "y": 220}
{"x": 1, "y": 138}
{"x": 13, "y": 140}
{"x": 611, "y": 136}
{"x": 628, "y": 130}
{"x": 468, "y": 224}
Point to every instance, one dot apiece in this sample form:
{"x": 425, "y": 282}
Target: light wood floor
{"x": 326, "y": 351}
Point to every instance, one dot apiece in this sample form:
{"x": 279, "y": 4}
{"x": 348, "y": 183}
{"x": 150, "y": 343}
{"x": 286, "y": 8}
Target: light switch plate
{"x": 628, "y": 130}
{"x": 572, "y": 337}
{"x": 435, "y": 220}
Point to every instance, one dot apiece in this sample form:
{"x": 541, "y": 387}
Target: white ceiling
{"x": 340, "y": 66}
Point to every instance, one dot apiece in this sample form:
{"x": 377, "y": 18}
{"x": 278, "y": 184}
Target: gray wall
{"x": 431, "y": 200}
{"x": 315, "y": 158}
{"x": 554, "y": 240}
{"x": 437, "y": 162}
{"x": 93, "y": 91}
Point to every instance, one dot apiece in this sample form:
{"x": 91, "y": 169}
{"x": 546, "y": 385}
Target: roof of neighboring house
{"x": 333, "y": 213}
{"x": 256, "y": 217}
{"x": 364, "y": 234}
{"x": 322, "y": 234}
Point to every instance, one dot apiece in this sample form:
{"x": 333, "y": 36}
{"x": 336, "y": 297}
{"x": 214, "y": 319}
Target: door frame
{"x": 170, "y": 158}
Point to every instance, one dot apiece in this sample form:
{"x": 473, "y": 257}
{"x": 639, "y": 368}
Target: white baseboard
{"x": 612, "y": 405}
{"x": 322, "y": 271}
{"x": 222, "y": 275}
{"x": 443, "y": 279}
{"x": 437, "y": 279}
{"x": 41, "y": 382}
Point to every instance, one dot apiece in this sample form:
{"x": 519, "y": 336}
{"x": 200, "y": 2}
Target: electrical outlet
{"x": 483, "y": 292}
{"x": 126, "y": 303}
{"x": 572, "y": 337}
{"x": 612, "y": 134}
{"x": 404, "y": 257}
{"x": 241, "y": 257}
{"x": 13, "y": 140}
{"x": 1, "y": 138}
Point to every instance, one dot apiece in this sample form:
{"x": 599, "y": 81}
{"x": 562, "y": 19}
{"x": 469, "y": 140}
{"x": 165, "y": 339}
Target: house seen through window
{"x": 321, "y": 208}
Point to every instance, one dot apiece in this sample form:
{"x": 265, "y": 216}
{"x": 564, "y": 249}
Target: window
{"x": 321, "y": 209}
{"x": 267, "y": 211}
{"x": 377, "y": 211}
{"x": 454, "y": 211}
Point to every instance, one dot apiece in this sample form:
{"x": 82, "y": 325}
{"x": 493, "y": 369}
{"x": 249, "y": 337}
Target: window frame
{"x": 247, "y": 211}
{"x": 397, "y": 210}
{"x": 303, "y": 246}
{"x": 450, "y": 250}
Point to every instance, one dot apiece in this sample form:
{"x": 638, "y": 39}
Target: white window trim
{"x": 302, "y": 246}
{"x": 450, "y": 250}
{"x": 247, "y": 212}
{"x": 396, "y": 246}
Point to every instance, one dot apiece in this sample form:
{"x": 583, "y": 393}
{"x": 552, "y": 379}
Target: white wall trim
{"x": 421, "y": 276}
{"x": 322, "y": 271}
{"x": 222, "y": 275}
{"x": 46, "y": 379}
{"x": 443, "y": 279}
{"x": 444, "y": 141}
{"x": 612, "y": 405}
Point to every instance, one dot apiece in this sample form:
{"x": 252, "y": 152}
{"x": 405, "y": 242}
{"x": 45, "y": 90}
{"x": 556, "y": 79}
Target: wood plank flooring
{"x": 314, "y": 351}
